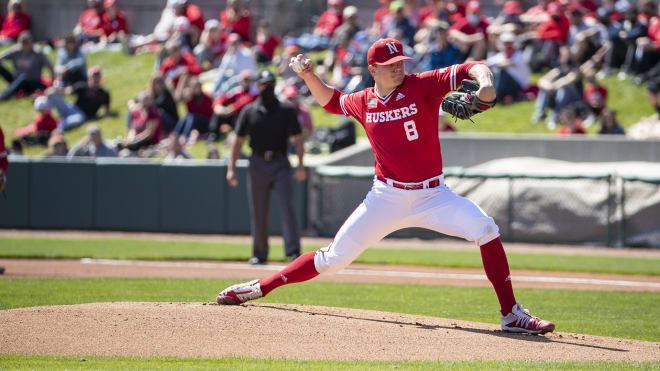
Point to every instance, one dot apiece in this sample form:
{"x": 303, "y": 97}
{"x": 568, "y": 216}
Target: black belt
{"x": 269, "y": 155}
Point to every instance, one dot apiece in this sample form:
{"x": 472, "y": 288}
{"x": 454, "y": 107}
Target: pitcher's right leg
{"x": 380, "y": 214}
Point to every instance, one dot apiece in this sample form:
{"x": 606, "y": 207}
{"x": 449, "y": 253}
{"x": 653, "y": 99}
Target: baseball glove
{"x": 464, "y": 103}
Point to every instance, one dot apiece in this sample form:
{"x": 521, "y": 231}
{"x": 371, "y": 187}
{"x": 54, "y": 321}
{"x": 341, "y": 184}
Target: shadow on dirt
{"x": 498, "y": 333}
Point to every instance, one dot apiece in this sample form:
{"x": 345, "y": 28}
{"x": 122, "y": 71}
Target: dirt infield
{"x": 292, "y": 331}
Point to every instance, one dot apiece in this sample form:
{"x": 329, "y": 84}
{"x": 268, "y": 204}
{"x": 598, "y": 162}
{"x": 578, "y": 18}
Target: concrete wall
{"x": 473, "y": 149}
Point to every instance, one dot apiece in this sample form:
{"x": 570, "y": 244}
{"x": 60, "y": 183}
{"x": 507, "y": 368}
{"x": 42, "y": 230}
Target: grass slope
{"x": 24, "y": 362}
{"x": 147, "y": 249}
{"x": 589, "y": 312}
{"x": 126, "y": 75}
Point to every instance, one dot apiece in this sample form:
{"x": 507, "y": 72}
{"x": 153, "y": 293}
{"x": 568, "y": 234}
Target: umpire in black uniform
{"x": 269, "y": 124}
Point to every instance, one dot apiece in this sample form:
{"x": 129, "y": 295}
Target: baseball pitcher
{"x": 400, "y": 117}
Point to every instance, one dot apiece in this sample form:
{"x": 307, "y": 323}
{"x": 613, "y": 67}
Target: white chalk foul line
{"x": 369, "y": 272}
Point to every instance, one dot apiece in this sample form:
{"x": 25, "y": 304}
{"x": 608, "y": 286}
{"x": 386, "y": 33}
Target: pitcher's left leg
{"x": 458, "y": 216}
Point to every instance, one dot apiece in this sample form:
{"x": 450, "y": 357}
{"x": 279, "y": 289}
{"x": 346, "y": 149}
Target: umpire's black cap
{"x": 265, "y": 77}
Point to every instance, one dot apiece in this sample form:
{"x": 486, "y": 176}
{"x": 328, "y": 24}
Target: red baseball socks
{"x": 301, "y": 269}
{"x": 497, "y": 271}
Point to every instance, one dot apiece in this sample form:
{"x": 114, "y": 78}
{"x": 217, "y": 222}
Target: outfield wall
{"x": 132, "y": 195}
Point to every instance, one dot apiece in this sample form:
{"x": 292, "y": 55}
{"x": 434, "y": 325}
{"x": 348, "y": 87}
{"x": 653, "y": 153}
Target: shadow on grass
{"x": 498, "y": 333}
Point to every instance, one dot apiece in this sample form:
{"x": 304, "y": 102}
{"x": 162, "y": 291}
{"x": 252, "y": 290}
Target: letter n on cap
{"x": 392, "y": 47}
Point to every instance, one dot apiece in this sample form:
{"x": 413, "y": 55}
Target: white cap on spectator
{"x": 622, "y": 6}
{"x": 211, "y": 23}
{"x": 181, "y": 23}
{"x": 175, "y": 3}
{"x": 41, "y": 103}
{"x": 350, "y": 11}
{"x": 508, "y": 37}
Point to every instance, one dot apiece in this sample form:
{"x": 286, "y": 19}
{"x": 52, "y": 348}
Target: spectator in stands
{"x": 183, "y": 8}
{"x": 433, "y": 10}
{"x": 570, "y": 123}
{"x": 17, "y": 21}
{"x": 92, "y": 145}
{"x": 510, "y": 70}
{"x": 443, "y": 53}
{"x": 164, "y": 104}
{"x": 266, "y": 43}
{"x": 237, "y": 58}
{"x": 339, "y": 53}
{"x": 176, "y": 150}
{"x": 179, "y": 67}
{"x": 28, "y": 64}
{"x": 382, "y": 17}
{"x": 324, "y": 28}
{"x": 144, "y": 129}
{"x": 70, "y": 115}
{"x": 609, "y": 123}
{"x": 236, "y": 19}
{"x": 290, "y": 94}
{"x": 90, "y": 23}
{"x": 212, "y": 152}
{"x": 470, "y": 33}
{"x": 595, "y": 97}
{"x": 57, "y": 145}
{"x": 557, "y": 89}
{"x": 41, "y": 127}
{"x": 200, "y": 109}
{"x": 283, "y": 68}
{"x": 648, "y": 47}
{"x": 623, "y": 35}
{"x": 507, "y": 21}
{"x": 114, "y": 23}
{"x": 551, "y": 35}
{"x": 71, "y": 65}
{"x": 227, "y": 106}
{"x": 401, "y": 23}
{"x": 212, "y": 45}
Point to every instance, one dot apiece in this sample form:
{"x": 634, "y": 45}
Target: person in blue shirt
{"x": 443, "y": 53}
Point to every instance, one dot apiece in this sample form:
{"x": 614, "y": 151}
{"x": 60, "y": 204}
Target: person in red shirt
{"x": 145, "y": 125}
{"x": 571, "y": 124}
{"x": 382, "y": 17}
{"x": 90, "y": 22}
{"x": 469, "y": 33}
{"x": 227, "y": 106}
{"x": 41, "y": 127}
{"x": 194, "y": 15}
{"x": 330, "y": 19}
{"x": 16, "y": 22}
{"x": 556, "y": 28}
{"x": 400, "y": 117}
{"x": 114, "y": 22}
{"x": 266, "y": 43}
{"x": 236, "y": 19}
{"x": 200, "y": 109}
{"x": 179, "y": 66}
{"x": 212, "y": 45}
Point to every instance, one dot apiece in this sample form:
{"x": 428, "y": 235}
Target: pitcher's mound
{"x": 288, "y": 331}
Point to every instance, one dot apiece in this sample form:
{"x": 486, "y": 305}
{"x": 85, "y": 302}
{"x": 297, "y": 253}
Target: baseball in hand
{"x": 300, "y": 64}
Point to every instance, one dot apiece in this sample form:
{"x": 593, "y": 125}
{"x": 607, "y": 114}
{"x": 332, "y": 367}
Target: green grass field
{"x": 126, "y": 75}
{"x": 148, "y": 249}
{"x": 20, "y": 362}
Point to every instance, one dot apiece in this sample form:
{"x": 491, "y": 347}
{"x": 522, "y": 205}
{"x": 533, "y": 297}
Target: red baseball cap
{"x": 473, "y": 6}
{"x": 385, "y": 51}
{"x": 512, "y": 7}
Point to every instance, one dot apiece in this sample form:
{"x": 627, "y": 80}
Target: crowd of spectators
{"x": 207, "y": 66}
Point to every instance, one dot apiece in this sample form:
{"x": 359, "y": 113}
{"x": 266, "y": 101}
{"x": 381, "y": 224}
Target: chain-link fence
{"x": 598, "y": 208}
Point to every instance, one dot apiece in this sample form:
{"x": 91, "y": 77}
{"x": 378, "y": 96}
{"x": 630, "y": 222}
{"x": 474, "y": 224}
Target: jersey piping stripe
{"x": 452, "y": 77}
{"x": 341, "y": 104}
{"x": 385, "y": 98}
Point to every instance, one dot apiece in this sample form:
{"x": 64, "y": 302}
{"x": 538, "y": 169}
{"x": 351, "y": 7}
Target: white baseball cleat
{"x": 519, "y": 320}
{"x": 240, "y": 293}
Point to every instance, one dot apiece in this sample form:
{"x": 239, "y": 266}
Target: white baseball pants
{"x": 387, "y": 209}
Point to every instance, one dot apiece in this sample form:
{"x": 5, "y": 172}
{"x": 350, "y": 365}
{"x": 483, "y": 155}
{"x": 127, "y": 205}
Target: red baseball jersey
{"x": 402, "y": 127}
